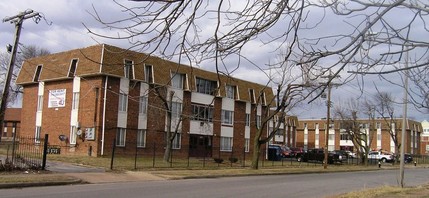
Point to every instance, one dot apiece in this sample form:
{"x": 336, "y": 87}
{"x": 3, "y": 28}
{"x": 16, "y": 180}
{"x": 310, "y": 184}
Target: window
{"x": 73, "y": 134}
{"x": 252, "y": 96}
{"x": 206, "y": 86}
{"x": 176, "y": 141}
{"x": 226, "y": 143}
{"x": 227, "y": 117}
{"x": 202, "y": 112}
{"x": 75, "y": 101}
{"x": 40, "y": 103}
{"x": 246, "y": 144}
{"x": 345, "y": 136}
{"x": 177, "y": 80}
{"x": 120, "y": 136}
{"x": 123, "y": 100}
{"x": 263, "y": 98}
{"x": 305, "y": 126}
{"x": 378, "y": 125}
{"x": 148, "y": 69}
{"x": 258, "y": 121}
{"x": 128, "y": 69}
{"x": 280, "y": 132}
{"x": 141, "y": 138}
{"x": 143, "y": 105}
{"x": 230, "y": 91}
{"x": 37, "y": 134}
{"x": 176, "y": 109}
{"x": 331, "y": 136}
{"x": 4, "y": 129}
{"x": 72, "y": 69}
{"x": 379, "y": 136}
{"x": 37, "y": 73}
{"x": 247, "y": 119}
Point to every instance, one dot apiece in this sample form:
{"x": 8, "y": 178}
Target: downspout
{"x": 104, "y": 116}
{"x": 103, "y": 127}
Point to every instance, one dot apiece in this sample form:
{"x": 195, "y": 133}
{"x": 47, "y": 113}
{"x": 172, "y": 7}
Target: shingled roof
{"x": 109, "y": 60}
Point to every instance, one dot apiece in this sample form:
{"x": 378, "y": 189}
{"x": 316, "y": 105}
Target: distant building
{"x": 90, "y": 99}
{"x": 12, "y": 123}
{"x": 311, "y": 134}
{"x": 425, "y": 137}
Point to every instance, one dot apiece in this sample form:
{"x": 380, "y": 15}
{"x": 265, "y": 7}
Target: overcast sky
{"x": 62, "y": 30}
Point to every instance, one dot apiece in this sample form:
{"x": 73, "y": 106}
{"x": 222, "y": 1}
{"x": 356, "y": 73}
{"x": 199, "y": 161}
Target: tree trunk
{"x": 256, "y": 150}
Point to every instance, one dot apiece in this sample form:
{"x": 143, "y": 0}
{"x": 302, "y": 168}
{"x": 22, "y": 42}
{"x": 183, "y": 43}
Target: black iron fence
{"x": 24, "y": 153}
{"x": 152, "y": 156}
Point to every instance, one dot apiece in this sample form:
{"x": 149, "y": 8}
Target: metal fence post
{"x": 113, "y": 153}
{"x": 45, "y": 151}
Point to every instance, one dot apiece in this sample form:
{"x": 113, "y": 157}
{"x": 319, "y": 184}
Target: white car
{"x": 381, "y": 156}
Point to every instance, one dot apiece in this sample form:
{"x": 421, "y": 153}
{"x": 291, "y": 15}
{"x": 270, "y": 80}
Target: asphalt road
{"x": 302, "y": 185}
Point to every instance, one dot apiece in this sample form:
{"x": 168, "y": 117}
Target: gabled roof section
{"x": 56, "y": 66}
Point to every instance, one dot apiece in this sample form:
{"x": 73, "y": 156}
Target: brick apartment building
{"x": 87, "y": 98}
{"x": 311, "y": 134}
{"x": 424, "y": 149}
{"x": 11, "y": 123}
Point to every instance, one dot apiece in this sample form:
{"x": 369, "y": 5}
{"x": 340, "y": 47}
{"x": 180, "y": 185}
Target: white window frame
{"x": 128, "y": 69}
{"x": 258, "y": 121}
{"x": 176, "y": 109}
{"x": 177, "y": 141}
{"x": 246, "y": 145}
{"x": 39, "y": 103}
{"x": 205, "y": 86}
{"x": 247, "y": 119}
{"x": 75, "y": 101}
{"x": 227, "y": 117}
{"x": 123, "y": 102}
{"x": 37, "y": 134}
{"x": 148, "y": 76}
{"x": 141, "y": 138}
{"x": 202, "y": 112}
{"x": 177, "y": 80}
{"x": 121, "y": 136}
{"x": 226, "y": 143}
{"x": 230, "y": 91}
{"x": 143, "y": 105}
{"x": 73, "y": 135}
{"x": 73, "y": 67}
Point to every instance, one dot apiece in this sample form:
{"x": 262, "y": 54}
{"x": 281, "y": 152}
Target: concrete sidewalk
{"x": 112, "y": 177}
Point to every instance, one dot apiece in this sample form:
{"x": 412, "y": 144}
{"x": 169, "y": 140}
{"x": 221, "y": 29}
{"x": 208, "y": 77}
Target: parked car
{"x": 286, "y": 151}
{"x": 344, "y": 153}
{"x": 276, "y": 152}
{"x": 319, "y": 155}
{"x": 297, "y": 152}
{"x": 381, "y": 156}
{"x": 351, "y": 154}
{"x": 408, "y": 158}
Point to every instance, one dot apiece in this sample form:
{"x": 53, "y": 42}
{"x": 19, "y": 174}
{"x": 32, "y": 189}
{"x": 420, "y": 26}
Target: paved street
{"x": 298, "y": 185}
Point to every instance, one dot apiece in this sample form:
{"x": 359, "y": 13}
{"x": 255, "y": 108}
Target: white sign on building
{"x": 57, "y": 98}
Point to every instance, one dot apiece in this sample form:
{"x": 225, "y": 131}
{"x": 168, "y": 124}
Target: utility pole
{"x": 328, "y": 115}
{"x": 18, "y": 20}
{"x": 404, "y": 122}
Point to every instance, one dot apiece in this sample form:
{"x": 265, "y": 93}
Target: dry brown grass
{"x": 388, "y": 191}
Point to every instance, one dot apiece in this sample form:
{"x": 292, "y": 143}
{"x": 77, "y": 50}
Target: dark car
{"x": 408, "y": 158}
{"x": 319, "y": 155}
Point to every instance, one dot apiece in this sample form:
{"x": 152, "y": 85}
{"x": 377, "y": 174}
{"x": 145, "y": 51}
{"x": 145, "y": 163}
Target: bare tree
{"x": 361, "y": 136}
{"x": 385, "y": 108}
{"x": 199, "y": 30}
{"x": 25, "y": 53}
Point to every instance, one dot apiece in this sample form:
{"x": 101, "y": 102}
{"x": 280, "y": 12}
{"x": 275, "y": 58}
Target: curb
{"x": 36, "y": 184}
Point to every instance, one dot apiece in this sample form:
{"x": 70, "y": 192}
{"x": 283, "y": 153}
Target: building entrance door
{"x": 200, "y": 145}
